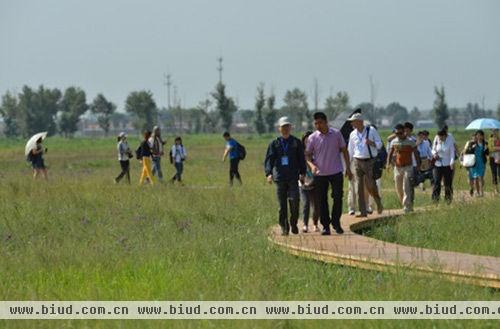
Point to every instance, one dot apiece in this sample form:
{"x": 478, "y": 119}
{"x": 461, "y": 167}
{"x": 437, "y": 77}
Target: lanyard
{"x": 284, "y": 145}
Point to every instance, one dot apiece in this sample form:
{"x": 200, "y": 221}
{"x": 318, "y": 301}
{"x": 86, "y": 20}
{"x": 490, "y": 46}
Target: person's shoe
{"x": 325, "y": 232}
{"x": 339, "y": 230}
{"x": 351, "y": 212}
{"x": 316, "y": 228}
{"x": 471, "y": 192}
{"x": 380, "y": 208}
{"x": 361, "y": 215}
{"x": 295, "y": 229}
{"x": 305, "y": 229}
{"x": 369, "y": 211}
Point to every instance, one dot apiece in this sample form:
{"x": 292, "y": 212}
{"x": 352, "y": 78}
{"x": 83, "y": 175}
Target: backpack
{"x": 171, "y": 156}
{"x": 138, "y": 153}
{"x": 380, "y": 159}
{"x": 242, "y": 152}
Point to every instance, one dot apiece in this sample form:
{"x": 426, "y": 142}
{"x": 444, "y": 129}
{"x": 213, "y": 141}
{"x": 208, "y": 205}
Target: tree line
{"x": 55, "y": 111}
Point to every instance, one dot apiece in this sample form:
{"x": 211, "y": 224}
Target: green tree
{"x": 143, "y": 107}
{"x": 104, "y": 110}
{"x": 210, "y": 118}
{"x": 260, "y": 102}
{"x": 271, "y": 113}
{"x": 296, "y": 106}
{"x": 440, "y": 109}
{"x": 73, "y": 106}
{"x": 38, "y": 109}
{"x": 399, "y": 113}
{"x": 336, "y": 105}
{"x": 10, "y": 113}
{"x": 225, "y": 106}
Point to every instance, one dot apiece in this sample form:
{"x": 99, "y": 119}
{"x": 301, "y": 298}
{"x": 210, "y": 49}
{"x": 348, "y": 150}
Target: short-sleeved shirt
{"x": 233, "y": 145}
{"x": 325, "y": 150}
{"x": 403, "y": 149}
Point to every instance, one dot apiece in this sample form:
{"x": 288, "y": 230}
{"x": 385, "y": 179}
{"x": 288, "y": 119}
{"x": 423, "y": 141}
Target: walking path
{"x": 356, "y": 250}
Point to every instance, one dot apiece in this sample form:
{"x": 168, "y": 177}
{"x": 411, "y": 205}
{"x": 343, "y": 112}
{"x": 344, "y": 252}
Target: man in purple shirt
{"x": 323, "y": 154}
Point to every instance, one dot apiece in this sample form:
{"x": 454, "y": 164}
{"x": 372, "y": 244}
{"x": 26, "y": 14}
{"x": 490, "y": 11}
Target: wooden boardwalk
{"x": 356, "y": 250}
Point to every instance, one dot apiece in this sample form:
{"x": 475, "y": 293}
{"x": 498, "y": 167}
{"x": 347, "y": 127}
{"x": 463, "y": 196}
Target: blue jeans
{"x": 157, "y": 167}
{"x": 179, "y": 167}
{"x": 308, "y": 198}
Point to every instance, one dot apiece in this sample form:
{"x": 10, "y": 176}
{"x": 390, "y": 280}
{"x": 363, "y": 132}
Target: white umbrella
{"x": 483, "y": 123}
{"x": 31, "y": 144}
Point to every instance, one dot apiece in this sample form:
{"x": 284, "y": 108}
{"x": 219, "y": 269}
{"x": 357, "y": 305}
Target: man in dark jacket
{"x": 285, "y": 165}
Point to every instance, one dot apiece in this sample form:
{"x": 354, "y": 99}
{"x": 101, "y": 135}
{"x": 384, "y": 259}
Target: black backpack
{"x": 380, "y": 159}
{"x": 242, "y": 152}
{"x": 138, "y": 153}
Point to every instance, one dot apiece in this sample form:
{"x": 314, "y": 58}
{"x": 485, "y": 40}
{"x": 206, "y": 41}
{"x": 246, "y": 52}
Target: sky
{"x": 115, "y": 47}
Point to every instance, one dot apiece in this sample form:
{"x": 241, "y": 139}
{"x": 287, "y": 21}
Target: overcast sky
{"x": 115, "y": 47}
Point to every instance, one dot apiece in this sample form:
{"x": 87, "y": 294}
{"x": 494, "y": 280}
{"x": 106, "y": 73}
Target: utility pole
{"x": 220, "y": 68}
{"x": 168, "y": 82}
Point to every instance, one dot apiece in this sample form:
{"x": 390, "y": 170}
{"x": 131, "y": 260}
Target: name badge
{"x": 284, "y": 161}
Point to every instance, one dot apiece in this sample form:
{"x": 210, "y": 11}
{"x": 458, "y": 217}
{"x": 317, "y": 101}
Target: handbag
{"x": 468, "y": 160}
{"x": 308, "y": 181}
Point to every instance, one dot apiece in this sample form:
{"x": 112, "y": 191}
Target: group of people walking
{"x": 150, "y": 153}
{"x": 305, "y": 169}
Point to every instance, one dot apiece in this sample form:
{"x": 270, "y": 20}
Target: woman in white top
{"x": 443, "y": 155}
{"x": 177, "y": 156}
{"x": 124, "y": 154}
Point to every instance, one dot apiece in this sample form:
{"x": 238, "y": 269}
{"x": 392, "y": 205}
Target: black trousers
{"x": 322, "y": 184}
{"x": 233, "y": 170}
{"x": 440, "y": 174}
{"x": 125, "y": 165}
{"x": 288, "y": 194}
{"x": 495, "y": 171}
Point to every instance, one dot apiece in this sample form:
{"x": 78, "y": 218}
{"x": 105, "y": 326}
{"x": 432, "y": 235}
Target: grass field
{"x": 81, "y": 237}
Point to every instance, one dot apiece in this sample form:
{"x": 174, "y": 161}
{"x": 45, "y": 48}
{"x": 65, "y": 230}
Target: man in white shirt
{"x": 364, "y": 141}
{"x": 443, "y": 153}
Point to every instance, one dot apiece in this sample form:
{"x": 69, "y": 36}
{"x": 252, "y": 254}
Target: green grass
{"x": 465, "y": 227}
{"x": 80, "y": 237}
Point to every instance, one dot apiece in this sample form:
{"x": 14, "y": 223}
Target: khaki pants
{"x": 363, "y": 171}
{"x": 352, "y": 196}
{"x": 402, "y": 179}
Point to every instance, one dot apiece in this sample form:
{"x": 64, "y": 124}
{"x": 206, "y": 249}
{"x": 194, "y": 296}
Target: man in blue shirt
{"x": 285, "y": 164}
{"x": 234, "y": 157}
